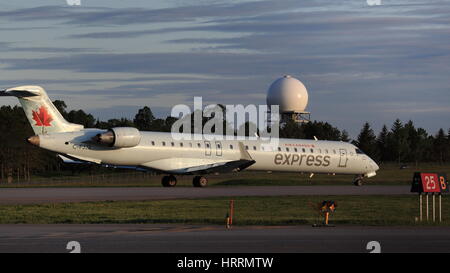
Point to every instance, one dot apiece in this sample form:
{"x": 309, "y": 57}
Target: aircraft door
{"x": 207, "y": 148}
{"x": 343, "y": 158}
{"x": 218, "y": 148}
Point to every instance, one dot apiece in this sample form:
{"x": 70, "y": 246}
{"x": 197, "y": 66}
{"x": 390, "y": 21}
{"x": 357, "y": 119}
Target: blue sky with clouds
{"x": 359, "y": 62}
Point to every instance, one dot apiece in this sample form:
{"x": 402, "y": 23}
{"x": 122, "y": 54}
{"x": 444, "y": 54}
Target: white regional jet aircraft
{"x": 130, "y": 148}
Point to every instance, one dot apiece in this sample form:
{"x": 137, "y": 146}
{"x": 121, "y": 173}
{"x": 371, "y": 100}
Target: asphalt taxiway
{"x": 217, "y": 239}
{"x": 62, "y": 195}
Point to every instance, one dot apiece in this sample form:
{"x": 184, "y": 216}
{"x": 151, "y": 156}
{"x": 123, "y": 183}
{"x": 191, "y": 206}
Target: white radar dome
{"x": 289, "y": 93}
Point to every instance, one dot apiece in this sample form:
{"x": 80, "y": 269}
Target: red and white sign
{"x": 430, "y": 182}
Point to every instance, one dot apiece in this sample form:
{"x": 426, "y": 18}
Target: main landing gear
{"x": 171, "y": 181}
{"x": 199, "y": 181}
{"x": 358, "y": 181}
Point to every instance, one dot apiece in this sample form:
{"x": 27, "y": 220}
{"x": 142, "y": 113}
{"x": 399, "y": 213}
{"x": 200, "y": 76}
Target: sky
{"x": 360, "y": 62}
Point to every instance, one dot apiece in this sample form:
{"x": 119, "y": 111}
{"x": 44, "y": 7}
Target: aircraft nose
{"x": 374, "y": 165}
{"x": 34, "y": 140}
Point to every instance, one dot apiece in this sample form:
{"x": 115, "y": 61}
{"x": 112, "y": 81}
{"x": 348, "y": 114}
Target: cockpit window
{"x": 358, "y": 151}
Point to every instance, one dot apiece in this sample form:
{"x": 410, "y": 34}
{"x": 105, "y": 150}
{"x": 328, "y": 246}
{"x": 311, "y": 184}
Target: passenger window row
{"x": 181, "y": 144}
{"x": 254, "y": 148}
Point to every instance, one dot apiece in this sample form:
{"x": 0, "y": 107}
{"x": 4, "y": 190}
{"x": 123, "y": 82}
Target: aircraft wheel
{"x": 169, "y": 181}
{"x": 358, "y": 182}
{"x": 200, "y": 181}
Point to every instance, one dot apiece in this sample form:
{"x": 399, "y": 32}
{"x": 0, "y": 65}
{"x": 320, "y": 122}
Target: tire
{"x": 169, "y": 181}
{"x": 172, "y": 181}
{"x": 200, "y": 181}
{"x": 165, "y": 181}
{"x": 358, "y": 182}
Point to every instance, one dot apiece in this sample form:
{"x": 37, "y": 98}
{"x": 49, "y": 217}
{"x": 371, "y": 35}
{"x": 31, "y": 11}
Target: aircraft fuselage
{"x": 292, "y": 155}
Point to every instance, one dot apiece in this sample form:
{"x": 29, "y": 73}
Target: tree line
{"x": 400, "y": 143}
{"x": 404, "y": 143}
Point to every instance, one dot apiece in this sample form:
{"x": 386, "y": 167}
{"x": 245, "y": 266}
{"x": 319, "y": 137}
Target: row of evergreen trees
{"x": 401, "y": 143}
{"x": 404, "y": 143}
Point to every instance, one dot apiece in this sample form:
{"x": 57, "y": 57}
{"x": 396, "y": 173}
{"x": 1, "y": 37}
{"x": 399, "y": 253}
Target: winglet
{"x": 244, "y": 154}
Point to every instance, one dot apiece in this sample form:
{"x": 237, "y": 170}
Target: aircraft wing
{"x": 178, "y": 165}
{"x": 196, "y": 166}
{"x": 67, "y": 160}
{"x": 237, "y": 165}
{"x": 70, "y": 159}
{"x": 202, "y": 165}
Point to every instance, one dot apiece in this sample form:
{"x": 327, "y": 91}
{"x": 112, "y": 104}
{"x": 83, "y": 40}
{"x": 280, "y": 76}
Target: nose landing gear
{"x": 358, "y": 181}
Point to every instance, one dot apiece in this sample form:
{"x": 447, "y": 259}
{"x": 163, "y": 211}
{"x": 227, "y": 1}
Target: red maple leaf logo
{"x": 42, "y": 117}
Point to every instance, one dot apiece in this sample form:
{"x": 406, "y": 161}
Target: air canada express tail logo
{"x": 42, "y": 117}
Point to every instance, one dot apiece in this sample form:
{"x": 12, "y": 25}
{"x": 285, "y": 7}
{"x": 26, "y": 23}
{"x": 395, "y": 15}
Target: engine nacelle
{"x": 119, "y": 137}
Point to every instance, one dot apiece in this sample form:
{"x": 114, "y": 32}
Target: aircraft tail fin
{"x": 43, "y": 116}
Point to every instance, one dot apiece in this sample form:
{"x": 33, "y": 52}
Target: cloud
{"x": 354, "y": 59}
{"x": 120, "y": 16}
{"x": 198, "y": 63}
{"x": 11, "y": 47}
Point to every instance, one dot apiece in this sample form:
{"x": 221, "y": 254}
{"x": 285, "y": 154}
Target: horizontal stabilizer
{"x": 20, "y": 92}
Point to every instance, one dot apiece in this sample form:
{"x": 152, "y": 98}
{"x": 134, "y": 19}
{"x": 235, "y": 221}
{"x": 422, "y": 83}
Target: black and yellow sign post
{"x": 426, "y": 184}
{"x": 326, "y": 208}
